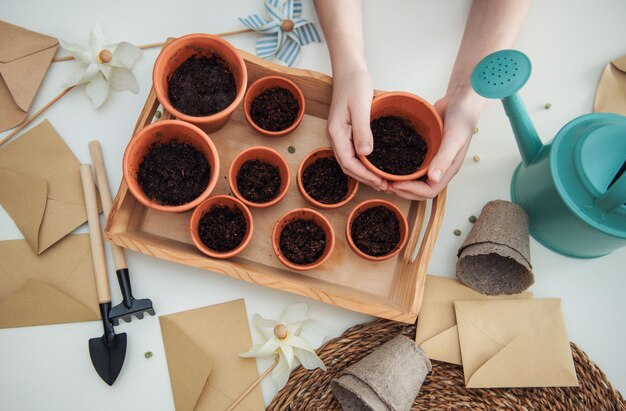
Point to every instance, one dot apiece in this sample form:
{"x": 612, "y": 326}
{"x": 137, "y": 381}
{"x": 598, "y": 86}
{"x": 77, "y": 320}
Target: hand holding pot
{"x": 460, "y": 114}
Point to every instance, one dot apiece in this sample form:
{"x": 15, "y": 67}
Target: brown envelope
{"x": 24, "y": 60}
{"x": 202, "y": 348}
{"x": 611, "y": 92}
{"x": 515, "y": 343}
{"x": 40, "y": 186}
{"x": 436, "y": 331}
{"x": 56, "y": 287}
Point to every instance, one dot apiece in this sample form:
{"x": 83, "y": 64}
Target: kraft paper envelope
{"x": 436, "y": 331}
{"x": 202, "y": 347}
{"x": 515, "y": 343}
{"x": 40, "y": 186}
{"x": 24, "y": 60}
{"x": 56, "y": 287}
{"x": 611, "y": 91}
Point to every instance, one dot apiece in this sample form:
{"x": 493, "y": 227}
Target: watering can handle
{"x": 614, "y": 197}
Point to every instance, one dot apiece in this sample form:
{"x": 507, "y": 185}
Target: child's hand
{"x": 349, "y": 125}
{"x": 460, "y": 114}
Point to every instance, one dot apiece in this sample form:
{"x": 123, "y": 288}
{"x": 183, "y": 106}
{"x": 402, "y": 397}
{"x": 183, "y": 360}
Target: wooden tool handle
{"x": 105, "y": 197}
{"x": 95, "y": 235}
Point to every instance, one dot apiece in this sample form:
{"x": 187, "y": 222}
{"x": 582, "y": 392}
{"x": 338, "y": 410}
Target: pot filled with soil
{"x": 274, "y": 106}
{"x": 259, "y": 176}
{"x": 376, "y": 230}
{"x": 201, "y": 79}
{"x": 171, "y": 166}
{"x": 407, "y": 133}
{"x": 321, "y": 181}
{"x": 221, "y": 226}
{"x": 303, "y": 239}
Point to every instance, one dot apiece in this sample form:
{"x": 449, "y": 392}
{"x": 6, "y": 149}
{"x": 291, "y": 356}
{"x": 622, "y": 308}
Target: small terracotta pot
{"x": 310, "y": 158}
{"x": 404, "y": 228}
{"x": 203, "y": 208}
{"x": 177, "y": 52}
{"x": 267, "y": 155}
{"x": 422, "y": 116}
{"x": 162, "y": 132}
{"x": 265, "y": 83}
{"x": 307, "y": 214}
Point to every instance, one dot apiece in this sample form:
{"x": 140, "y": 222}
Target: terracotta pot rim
{"x": 258, "y": 84}
{"x": 373, "y": 203}
{"x": 423, "y": 169}
{"x": 162, "y": 97}
{"x": 138, "y": 193}
{"x": 311, "y": 200}
{"x": 198, "y": 213}
{"x": 232, "y": 177}
{"x": 330, "y": 243}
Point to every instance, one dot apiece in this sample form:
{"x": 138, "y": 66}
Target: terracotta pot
{"x": 310, "y": 158}
{"x": 267, "y": 155}
{"x": 203, "y": 208}
{"x": 307, "y": 214}
{"x": 162, "y": 132}
{"x": 422, "y": 116}
{"x": 177, "y": 52}
{"x": 265, "y": 83}
{"x": 404, "y": 228}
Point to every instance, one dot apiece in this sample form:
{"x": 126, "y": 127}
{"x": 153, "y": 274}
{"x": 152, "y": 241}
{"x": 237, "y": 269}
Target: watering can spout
{"x": 528, "y": 141}
{"x": 501, "y": 75}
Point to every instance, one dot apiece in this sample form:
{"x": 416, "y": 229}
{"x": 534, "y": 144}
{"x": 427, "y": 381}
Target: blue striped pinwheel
{"x": 284, "y": 33}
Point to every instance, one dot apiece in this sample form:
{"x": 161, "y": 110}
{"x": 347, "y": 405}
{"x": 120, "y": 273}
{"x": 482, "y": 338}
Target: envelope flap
{"x": 620, "y": 63}
{"x": 36, "y": 303}
{"x": 444, "y": 346}
{"x": 24, "y": 76}
{"x": 24, "y": 197}
{"x": 16, "y": 42}
{"x": 524, "y": 362}
{"x": 188, "y": 363}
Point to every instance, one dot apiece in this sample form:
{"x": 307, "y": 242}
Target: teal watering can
{"x": 574, "y": 188}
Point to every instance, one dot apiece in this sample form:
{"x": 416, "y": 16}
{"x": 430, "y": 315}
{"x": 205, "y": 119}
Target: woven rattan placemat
{"x": 444, "y": 388}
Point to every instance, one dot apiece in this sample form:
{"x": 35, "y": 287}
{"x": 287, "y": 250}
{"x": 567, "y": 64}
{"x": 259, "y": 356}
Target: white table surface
{"x": 410, "y": 46}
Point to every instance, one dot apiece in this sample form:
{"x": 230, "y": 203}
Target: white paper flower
{"x": 293, "y": 338}
{"x": 103, "y": 65}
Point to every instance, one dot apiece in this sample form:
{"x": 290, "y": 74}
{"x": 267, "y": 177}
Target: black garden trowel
{"x": 129, "y": 305}
{"x": 107, "y": 352}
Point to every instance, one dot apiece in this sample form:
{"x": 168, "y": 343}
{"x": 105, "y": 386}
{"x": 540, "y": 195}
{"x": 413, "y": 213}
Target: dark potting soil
{"x": 398, "y": 148}
{"x": 258, "y": 181}
{"x": 302, "y": 241}
{"x": 324, "y": 181}
{"x": 202, "y": 86}
{"x": 376, "y": 231}
{"x": 222, "y": 228}
{"x": 274, "y": 109}
{"x": 173, "y": 173}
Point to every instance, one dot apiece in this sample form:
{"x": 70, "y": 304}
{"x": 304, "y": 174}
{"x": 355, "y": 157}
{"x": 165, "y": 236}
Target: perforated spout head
{"x": 501, "y": 74}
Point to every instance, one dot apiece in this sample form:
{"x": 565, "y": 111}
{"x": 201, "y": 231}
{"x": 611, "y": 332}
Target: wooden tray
{"x": 391, "y": 289}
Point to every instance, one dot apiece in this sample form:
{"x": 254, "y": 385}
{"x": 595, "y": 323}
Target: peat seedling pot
{"x": 407, "y": 134}
{"x": 274, "y": 106}
{"x": 201, "y": 79}
{"x": 321, "y": 181}
{"x": 171, "y": 166}
{"x": 259, "y": 177}
{"x": 303, "y": 239}
{"x": 376, "y": 230}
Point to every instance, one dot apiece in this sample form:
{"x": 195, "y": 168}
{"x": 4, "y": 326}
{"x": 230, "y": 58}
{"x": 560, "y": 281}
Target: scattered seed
{"x": 148, "y": 354}
{"x": 457, "y": 232}
{"x": 291, "y": 149}
{"x": 158, "y": 114}
{"x": 548, "y": 106}
{"x": 472, "y": 219}
{"x": 476, "y": 158}
{"x": 476, "y": 130}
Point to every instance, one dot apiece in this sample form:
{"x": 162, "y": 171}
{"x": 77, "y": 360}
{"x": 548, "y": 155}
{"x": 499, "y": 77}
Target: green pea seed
{"x": 457, "y": 232}
{"x": 291, "y": 149}
{"x": 158, "y": 114}
{"x": 148, "y": 354}
{"x": 476, "y": 130}
{"x": 548, "y": 106}
{"x": 472, "y": 219}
